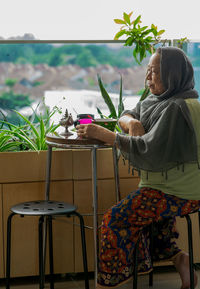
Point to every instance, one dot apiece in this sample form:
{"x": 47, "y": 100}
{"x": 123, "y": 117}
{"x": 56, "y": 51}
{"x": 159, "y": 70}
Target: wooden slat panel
{"x": 27, "y": 166}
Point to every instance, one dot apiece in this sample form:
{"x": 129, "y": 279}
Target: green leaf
{"x": 148, "y": 39}
{"x": 155, "y": 32}
{"x": 161, "y": 32}
{"x": 129, "y": 41}
{"x": 137, "y": 20}
{"x": 28, "y": 122}
{"x": 137, "y": 47}
{"x": 52, "y": 128}
{"x": 10, "y": 145}
{"x": 126, "y": 18}
{"x": 120, "y": 105}
{"x": 42, "y": 133}
{"x": 142, "y": 53}
{"x": 135, "y": 56}
{"x": 143, "y": 28}
{"x": 119, "y": 34}
{"x": 134, "y": 53}
{"x": 21, "y": 136}
{"x": 130, "y": 14}
{"x": 153, "y": 26}
{"x": 107, "y": 98}
{"x": 146, "y": 32}
{"x": 145, "y": 93}
{"x": 119, "y": 21}
{"x": 100, "y": 113}
{"x": 117, "y": 128}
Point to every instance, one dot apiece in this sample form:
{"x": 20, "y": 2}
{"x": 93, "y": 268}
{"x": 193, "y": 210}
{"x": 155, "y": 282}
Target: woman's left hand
{"x": 96, "y": 132}
{"x": 87, "y": 130}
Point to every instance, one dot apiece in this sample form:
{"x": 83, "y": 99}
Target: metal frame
{"x": 190, "y": 249}
{"x": 93, "y": 148}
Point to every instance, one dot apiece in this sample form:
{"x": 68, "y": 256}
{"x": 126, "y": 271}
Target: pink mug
{"x": 85, "y": 120}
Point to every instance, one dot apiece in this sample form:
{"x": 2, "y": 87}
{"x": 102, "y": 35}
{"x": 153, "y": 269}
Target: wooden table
{"x": 75, "y": 142}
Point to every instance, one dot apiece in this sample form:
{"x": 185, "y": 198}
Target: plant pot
{"x": 108, "y": 123}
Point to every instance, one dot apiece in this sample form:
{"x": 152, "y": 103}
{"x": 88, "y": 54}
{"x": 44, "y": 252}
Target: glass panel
{"x": 193, "y": 51}
{"x": 65, "y": 75}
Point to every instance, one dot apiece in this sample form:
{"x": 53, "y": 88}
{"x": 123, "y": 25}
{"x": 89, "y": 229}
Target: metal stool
{"x": 190, "y": 252}
{"x": 190, "y": 246}
{"x": 45, "y": 210}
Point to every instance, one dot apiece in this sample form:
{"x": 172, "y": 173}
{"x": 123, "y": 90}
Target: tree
{"x": 10, "y": 82}
{"x": 55, "y": 59}
{"x": 86, "y": 59}
{"x": 10, "y": 100}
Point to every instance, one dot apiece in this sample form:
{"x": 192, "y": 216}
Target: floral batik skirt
{"x": 125, "y": 222}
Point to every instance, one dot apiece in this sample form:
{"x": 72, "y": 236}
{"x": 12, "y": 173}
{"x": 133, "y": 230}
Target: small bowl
{"x": 108, "y": 123}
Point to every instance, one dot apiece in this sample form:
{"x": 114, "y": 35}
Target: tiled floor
{"x": 163, "y": 279}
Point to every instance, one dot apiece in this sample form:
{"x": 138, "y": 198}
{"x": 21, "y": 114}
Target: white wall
{"x": 93, "y": 19}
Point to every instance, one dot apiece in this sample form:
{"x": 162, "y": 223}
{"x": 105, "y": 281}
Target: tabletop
{"x": 73, "y": 139}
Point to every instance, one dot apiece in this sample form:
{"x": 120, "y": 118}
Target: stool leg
{"x": 135, "y": 264}
{"x": 190, "y": 246}
{"x": 151, "y": 253}
{"x": 8, "y": 261}
{"x": 48, "y": 172}
{"x": 84, "y": 252}
{"x": 41, "y": 257}
{"x": 51, "y": 267}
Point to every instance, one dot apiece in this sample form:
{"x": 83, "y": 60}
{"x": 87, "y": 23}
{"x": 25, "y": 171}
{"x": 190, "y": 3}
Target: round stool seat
{"x": 40, "y": 208}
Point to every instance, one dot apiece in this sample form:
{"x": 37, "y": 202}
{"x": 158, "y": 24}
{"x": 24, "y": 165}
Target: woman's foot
{"x": 181, "y": 262}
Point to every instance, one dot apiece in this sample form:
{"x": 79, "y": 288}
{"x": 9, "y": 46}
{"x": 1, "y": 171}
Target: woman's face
{"x": 153, "y": 75}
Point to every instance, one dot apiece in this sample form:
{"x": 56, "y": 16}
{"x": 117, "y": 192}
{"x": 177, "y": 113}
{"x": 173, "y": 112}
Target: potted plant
{"x": 29, "y": 134}
{"x": 143, "y": 38}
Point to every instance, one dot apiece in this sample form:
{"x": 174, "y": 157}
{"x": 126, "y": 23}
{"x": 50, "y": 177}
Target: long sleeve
{"x": 164, "y": 144}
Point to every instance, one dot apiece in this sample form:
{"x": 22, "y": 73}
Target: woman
{"x": 162, "y": 142}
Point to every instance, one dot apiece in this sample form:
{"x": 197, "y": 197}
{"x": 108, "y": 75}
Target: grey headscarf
{"x": 170, "y": 138}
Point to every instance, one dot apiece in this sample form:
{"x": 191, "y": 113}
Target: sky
{"x": 93, "y": 20}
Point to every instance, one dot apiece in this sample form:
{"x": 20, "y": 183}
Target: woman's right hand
{"x": 131, "y": 125}
{"x": 135, "y": 128}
